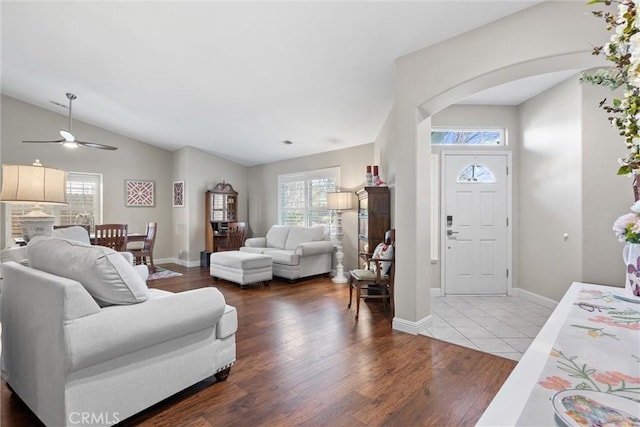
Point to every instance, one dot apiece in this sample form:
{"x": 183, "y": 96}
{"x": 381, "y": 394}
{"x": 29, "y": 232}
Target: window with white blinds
{"x": 84, "y": 194}
{"x": 302, "y": 197}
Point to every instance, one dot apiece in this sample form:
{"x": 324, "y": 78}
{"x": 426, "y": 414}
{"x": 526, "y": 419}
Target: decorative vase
{"x": 369, "y": 177}
{"x": 631, "y": 257}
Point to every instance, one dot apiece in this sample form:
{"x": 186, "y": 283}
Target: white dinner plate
{"x": 606, "y": 405}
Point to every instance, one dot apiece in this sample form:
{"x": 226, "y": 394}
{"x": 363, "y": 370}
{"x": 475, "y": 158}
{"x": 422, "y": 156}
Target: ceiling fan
{"x": 69, "y": 140}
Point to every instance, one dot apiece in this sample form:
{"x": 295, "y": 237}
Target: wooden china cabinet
{"x": 374, "y": 218}
{"x": 221, "y": 208}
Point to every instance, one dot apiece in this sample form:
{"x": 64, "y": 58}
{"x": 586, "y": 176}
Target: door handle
{"x": 451, "y": 232}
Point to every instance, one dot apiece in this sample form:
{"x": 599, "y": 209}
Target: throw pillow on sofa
{"x": 383, "y": 251}
{"x": 103, "y": 272}
{"x": 76, "y": 233}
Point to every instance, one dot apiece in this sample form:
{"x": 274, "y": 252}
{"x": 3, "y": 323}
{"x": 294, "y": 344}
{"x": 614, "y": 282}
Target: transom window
{"x": 303, "y": 197}
{"x": 475, "y": 137}
{"x": 476, "y": 173}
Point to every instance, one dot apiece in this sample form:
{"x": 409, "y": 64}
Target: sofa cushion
{"x": 253, "y": 250}
{"x": 104, "y": 273}
{"x": 283, "y": 256}
{"x": 240, "y": 260}
{"x": 299, "y": 235}
{"x": 277, "y": 236}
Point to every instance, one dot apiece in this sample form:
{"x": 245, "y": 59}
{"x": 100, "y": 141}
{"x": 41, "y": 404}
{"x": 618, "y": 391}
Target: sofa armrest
{"x": 228, "y": 324}
{"x": 28, "y": 284}
{"x": 256, "y": 242}
{"x": 35, "y": 306}
{"x": 314, "y": 248}
{"x": 118, "y": 330}
{"x": 17, "y": 254}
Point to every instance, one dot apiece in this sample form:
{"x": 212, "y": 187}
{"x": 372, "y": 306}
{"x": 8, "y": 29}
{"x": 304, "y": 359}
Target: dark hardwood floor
{"x": 304, "y": 360}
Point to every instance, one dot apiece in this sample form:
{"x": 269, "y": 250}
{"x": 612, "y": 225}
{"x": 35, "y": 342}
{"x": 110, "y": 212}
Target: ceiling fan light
{"x": 70, "y": 144}
{"x": 68, "y": 136}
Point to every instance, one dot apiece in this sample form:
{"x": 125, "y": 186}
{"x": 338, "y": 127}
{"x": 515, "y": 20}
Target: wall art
{"x": 178, "y": 194}
{"x": 140, "y": 193}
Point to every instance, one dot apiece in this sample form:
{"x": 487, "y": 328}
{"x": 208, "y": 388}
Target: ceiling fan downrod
{"x": 69, "y": 138}
{"x": 70, "y": 97}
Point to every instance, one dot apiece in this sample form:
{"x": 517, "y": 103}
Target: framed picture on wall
{"x": 178, "y": 194}
{"x": 140, "y": 193}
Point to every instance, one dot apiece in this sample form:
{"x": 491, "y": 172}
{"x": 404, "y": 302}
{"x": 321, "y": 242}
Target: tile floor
{"x": 500, "y": 325}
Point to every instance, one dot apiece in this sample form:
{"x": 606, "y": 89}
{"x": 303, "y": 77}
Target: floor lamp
{"x": 34, "y": 185}
{"x": 339, "y": 202}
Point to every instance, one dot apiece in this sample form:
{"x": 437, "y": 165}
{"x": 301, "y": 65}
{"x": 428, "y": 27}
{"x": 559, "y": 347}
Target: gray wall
{"x": 132, "y": 160}
{"x": 605, "y": 195}
{"x": 550, "y": 174}
{"x": 203, "y": 172}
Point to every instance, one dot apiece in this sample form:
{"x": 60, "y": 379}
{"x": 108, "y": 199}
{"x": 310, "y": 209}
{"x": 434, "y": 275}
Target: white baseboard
{"x": 436, "y": 292}
{"x": 413, "y": 328}
{"x": 538, "y": 299}
{"x": 181, "y": 262}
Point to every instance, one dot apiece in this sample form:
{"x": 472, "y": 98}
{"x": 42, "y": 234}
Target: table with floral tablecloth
{"x": 584, "y": 370}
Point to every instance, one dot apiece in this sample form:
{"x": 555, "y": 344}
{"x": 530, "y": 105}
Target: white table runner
{"x": 593, "y": 369}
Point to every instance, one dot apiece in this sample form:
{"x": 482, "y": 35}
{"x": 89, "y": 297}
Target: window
{"x": 476, "y": 173}
{"x": 303, "y": 197}
{"x": 475, "y": 137}
{"x": 84, "y": 194}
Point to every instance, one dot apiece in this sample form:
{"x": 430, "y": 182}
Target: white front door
{"x": 475, "y": 223}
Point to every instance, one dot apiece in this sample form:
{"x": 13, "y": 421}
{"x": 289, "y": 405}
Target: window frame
{"x": 310, "y": 212}
{"x": 501, "y": 130}
{"x": 16, "y": 209}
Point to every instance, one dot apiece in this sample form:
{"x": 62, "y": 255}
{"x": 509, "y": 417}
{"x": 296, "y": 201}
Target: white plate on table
{"x": 597, "y": 403}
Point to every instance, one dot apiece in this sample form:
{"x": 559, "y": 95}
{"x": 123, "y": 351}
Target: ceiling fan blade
{"x": 46, "y": 142}
{"x": 68, "y": 139}
{"x": 96, "y": 145}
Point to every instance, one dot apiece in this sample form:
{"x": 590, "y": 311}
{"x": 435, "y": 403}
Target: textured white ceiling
{"x": 232, "y": 78}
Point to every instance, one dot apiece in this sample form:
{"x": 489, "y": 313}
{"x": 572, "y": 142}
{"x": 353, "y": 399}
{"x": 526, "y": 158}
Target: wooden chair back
{"x": 150, "y": 240}
{"x": 113, "y": 236}
{"x": 144, "y": 255}
{"x": 236, "y": 235}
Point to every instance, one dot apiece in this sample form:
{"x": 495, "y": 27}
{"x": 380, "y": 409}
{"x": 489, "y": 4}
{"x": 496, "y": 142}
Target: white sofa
{"x": 75, "y": 359}
{"x": 297, "y": 252}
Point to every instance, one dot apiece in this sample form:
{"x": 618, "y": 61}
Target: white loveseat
{"x": 77, "y": 360}
{"x": 297, "y": 252}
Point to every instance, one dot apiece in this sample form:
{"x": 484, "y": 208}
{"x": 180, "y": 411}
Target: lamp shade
{"x": 33, "y": 184}
{"x": 339, "y": 201}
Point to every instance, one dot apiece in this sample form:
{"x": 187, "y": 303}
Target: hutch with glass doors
{"x": 374, "y": 218}
{"x": 221, "y": 208}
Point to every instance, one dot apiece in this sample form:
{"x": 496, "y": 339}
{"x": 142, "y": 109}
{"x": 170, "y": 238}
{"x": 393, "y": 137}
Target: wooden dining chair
{"x": 144, "y": 255}
{"x": 376, "y": 281}
{"x": 236, "y": 235}
{"x": 113, "y": 236}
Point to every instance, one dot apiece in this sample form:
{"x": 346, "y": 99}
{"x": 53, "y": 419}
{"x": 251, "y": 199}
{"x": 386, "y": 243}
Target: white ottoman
{"x": 242, "y": 268}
